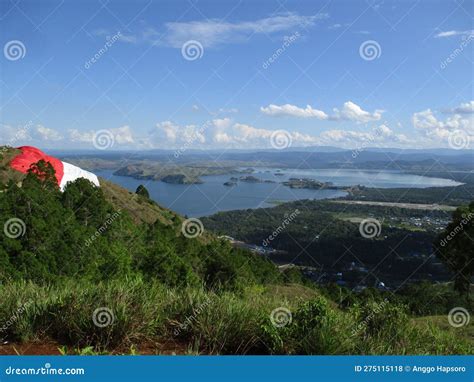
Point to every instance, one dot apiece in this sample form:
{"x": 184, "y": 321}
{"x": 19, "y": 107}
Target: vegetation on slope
{"x": 81, "y": 252}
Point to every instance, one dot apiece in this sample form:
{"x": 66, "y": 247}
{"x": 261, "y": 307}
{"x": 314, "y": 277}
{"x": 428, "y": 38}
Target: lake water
{"x": 212, "y": 196}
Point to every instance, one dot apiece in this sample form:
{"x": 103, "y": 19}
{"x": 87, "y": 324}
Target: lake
{"x": 212, "y": 196}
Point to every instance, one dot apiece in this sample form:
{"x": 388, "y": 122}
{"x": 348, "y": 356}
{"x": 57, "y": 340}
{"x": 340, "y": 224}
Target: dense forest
{"x": 323, "y": 236}
{"x": 61, "y": 239}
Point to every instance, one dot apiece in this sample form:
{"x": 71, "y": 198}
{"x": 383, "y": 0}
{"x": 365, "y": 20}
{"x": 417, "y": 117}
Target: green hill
{"x": 102, "y": 270}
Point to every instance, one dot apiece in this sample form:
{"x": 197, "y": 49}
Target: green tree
{"x": 142, "y": 191}
{"x": 455, "y": 247}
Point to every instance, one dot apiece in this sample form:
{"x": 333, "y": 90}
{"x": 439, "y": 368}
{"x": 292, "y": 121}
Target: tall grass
{"x": 211, "y": 322}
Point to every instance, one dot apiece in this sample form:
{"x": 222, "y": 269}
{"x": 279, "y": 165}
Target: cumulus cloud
{"x": 464, "y": 108}
{"x": 294, "y": 111}
{"x": 219, "y": 132}
{"x": 168, "y": 132}
{"x": 438, "y": 130}
{"x": 46, "y": 134}
{"x": 381, "y": 136}
{"x": 226, "y": 133}
{"x": 122, "y": 135}
{"x": 28, "y": 133}
{"x": 350, "y": 112}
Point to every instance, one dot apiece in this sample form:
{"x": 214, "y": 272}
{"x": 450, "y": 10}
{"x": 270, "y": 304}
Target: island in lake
{"x": 312, "y": 184}
{"x": 176, "y": 174}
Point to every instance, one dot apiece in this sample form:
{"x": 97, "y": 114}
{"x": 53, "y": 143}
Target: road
{"x": 413, "y": 206}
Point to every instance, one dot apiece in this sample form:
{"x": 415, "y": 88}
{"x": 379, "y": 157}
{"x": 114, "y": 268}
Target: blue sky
{"x": 340, "y": 73}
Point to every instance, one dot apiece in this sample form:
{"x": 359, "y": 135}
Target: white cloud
{"x": 168, "y": 132}
{"x": 294, "y": 111}
{"x": 46, "y": 134}
{"x": 122, "y": 135}
{"x": 16, "y": 136}
{"x": 428, "y": 124}
{"x": 225, "y": 133}
{"x": 79, "y": 136}
{"x": 464, "y": 108}
{"x": 380, "y": 136}
{"x": 214, "y": 32}
{"x": 452, "y": 33}
{"x": 231, "y": 110}
{"x": 222, "y": 133}
{"x": 352, "y": 112}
